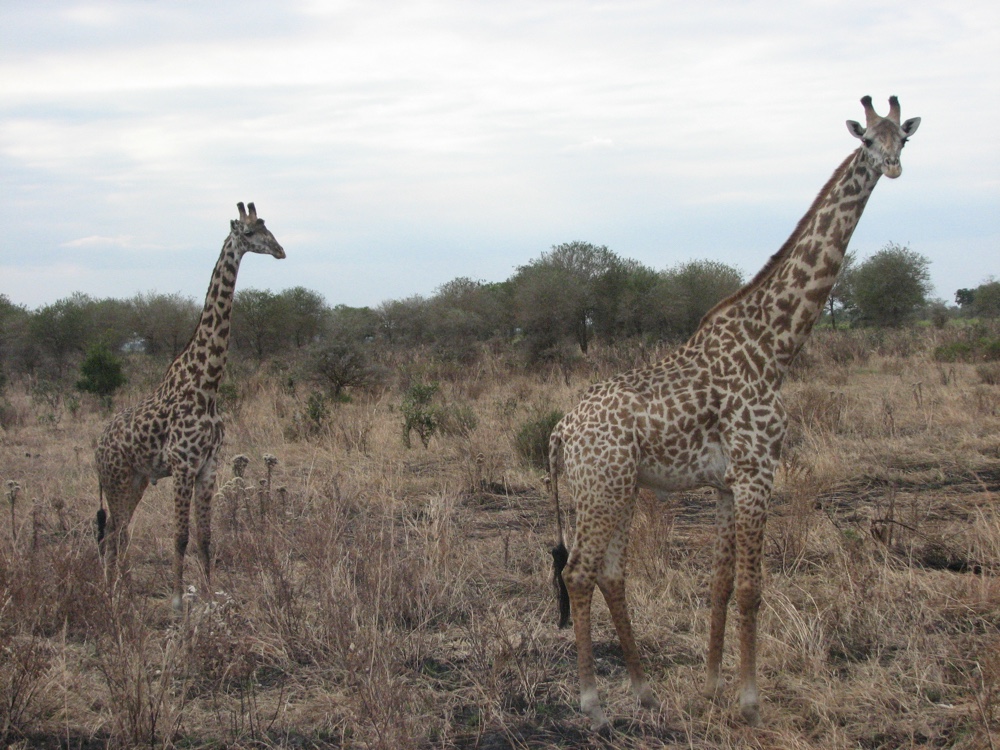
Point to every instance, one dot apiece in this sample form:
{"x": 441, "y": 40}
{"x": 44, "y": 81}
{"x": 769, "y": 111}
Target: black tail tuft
{"x": 560, "y": 556}
{"x": 102, "y": 522}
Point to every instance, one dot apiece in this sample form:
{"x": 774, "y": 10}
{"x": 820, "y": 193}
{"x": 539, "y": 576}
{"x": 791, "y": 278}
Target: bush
{"x": 102, "y": 374}
{"x": 457, "y": 419}
{"x": 419, "y": 414}
{"x": 532, "y": 440}
{"x": 990, "y": 350}
{"x": 956, "y": 351}
{"x": 989, "y": 373}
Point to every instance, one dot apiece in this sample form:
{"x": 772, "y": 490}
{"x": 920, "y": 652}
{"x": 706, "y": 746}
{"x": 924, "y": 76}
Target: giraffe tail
{"x": 102, "y": 515}
{"x": 560, "y": 555}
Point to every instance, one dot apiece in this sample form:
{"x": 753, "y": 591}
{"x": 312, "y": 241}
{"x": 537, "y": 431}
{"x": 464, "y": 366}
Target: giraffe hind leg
{"x": 183, "y": 489}
{"x": 581, "y": 591}
{"x": 203, "y": 491}
{"x": 722, "y": 588}
{"x": 748, "y": 599}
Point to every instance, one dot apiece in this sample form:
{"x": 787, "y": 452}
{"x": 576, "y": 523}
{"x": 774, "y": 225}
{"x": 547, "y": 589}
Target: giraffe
{"x": 177, "y": 431}
{"x": 708, "y": 414}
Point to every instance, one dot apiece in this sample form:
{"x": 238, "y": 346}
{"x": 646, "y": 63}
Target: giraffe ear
{"x": 855, "y": 129}
{"x": 232, "y": 224}
{"x": 910, "y": 126}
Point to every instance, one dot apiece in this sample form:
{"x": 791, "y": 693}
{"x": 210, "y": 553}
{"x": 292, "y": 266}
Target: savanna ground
{"x": 370, "y": 595}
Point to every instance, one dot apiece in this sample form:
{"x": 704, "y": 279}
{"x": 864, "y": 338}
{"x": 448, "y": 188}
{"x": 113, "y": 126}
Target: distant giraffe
{"x": 177, "y": 431}
{"x": 709, "y": 414}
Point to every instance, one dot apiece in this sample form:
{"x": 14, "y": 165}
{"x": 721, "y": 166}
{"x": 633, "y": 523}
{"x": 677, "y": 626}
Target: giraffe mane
{"x": 765, "y": 273}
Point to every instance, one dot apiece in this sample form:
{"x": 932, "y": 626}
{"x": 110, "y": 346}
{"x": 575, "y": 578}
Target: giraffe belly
{"x": 705, "y": 468}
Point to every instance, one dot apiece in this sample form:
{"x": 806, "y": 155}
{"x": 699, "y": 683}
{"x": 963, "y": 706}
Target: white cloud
{"x": 528, "y": 123}
{"x": 99, "y": 241}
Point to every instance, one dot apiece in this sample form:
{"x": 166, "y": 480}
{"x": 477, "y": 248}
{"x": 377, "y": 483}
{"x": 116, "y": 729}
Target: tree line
{"x": 553, "y": 307}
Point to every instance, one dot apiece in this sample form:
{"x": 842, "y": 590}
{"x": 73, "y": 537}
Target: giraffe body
{"x": 177, "y": 431}
{"x": 709, "y": 414}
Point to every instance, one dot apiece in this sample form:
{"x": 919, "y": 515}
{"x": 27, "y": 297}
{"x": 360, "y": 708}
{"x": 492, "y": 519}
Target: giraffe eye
{"x": 868, "y": 142}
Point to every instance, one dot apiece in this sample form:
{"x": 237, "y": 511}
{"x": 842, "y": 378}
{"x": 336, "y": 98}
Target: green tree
{"x": 404, "y": 321}
{"x": 840, "y": 295}
{"x": 305, "y": 311}
{"x": 61, "y": 330}
{"x": 102, "y": 374}
{"x": 340, "y": 364}
{"x": 13, "y": 334}
{"x": 569, "y": 291}
{"x": 986, "y": 300}
{"x": 890, "y": 288}
{"x": 463, "y": 313}
{"x": 696, "y": 286}
{"x": 260, "y": 323}
{"x": 164, "y": 322}
{"x": 346, "y": 323}
{"x": 965, "y": 298}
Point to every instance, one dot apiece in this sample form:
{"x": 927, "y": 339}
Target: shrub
{"x": 457, "y": 419}
{"x": 990, "y": 349}
{"x": 989, "y": 373}
{"x": 342, "y": 364}
{"x": 419, "y": 414}
{"x": 532, "y": 439}
{"x": 229, "y": 397}
{"x": 102, "y": 374}
{"x": 956, "y": 351}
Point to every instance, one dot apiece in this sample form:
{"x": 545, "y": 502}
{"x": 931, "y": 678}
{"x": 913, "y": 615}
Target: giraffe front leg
{"x": 183, "y": 488}
{"x": 722, "y": 589}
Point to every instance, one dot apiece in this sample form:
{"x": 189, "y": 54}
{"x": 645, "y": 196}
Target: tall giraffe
{"x": 178, "y": 431}
{"x": 708, "y": 414}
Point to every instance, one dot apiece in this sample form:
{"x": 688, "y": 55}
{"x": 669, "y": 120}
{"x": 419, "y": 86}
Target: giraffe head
{"x": 251, "y": 236}
{"x": 883, "y": 137}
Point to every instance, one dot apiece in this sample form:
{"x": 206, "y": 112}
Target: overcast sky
{"x": 394, "y": 146}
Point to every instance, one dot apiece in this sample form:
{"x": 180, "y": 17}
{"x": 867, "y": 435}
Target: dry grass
{"x": 372, "y": 596}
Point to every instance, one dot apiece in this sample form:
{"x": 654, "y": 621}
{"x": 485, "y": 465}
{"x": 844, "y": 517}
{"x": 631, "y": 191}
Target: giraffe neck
{"x": 779, "y": 307}
{"x": 203, "y": 362}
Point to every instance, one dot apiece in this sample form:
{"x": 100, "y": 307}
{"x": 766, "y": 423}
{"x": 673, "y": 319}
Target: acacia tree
{"x": 986, "y": 300}
{"x": 840, "y": 295}
{"x": 13, "y": 325}
{"x": 695, "y": 287}
{"x": 165, "y": 322}
{"x": 60, "y": 330}
{"x": 568, "y": 291}
{"x": 259, "y": 322}
{"x": 890, "y": 288}
{"x": 305, "y": 311}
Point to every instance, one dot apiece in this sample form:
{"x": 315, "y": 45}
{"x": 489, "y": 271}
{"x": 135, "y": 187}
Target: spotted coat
{"x": 177, "y": 431}
{"x": 709, "y": 414}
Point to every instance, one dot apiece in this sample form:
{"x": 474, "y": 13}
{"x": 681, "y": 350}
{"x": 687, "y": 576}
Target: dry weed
{"x": 370, "y": 596}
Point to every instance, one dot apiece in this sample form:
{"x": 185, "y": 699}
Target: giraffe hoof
{"x": 712, "y": 690}
{"x": 591, "y": 706}
{"x": 751, "y": 714}
{"x": 647, "y": 700}
{"x": 601, "y": 725}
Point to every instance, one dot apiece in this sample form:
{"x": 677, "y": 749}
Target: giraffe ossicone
{"x": 708, "y": 414}
{"x": 177, "y": 431}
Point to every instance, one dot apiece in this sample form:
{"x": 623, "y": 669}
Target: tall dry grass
{"x": 366, "y": 595}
